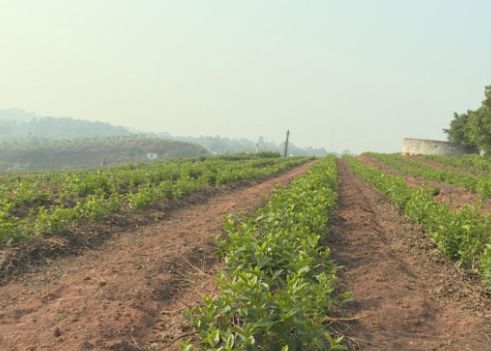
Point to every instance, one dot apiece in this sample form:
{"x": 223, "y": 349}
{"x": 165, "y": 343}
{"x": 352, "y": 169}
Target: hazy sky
{"x": 367, "y": 72}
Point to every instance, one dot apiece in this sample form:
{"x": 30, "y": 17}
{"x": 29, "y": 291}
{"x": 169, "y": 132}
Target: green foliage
{"x": 480, "y": 124}
{"x": 480, "y": 184}
{"x": 464, "y": 236}
{"x": 268, "y": 154}
{"x": 247, "y": 155}
{"x": 473, "y": 164}
{"x": 228, "y": 146}
{"x": 144, "y": 197}
{"x": 277, "y": 288}
{"x": 10, "y": 227}
{"x": 56, "y": 221}
{"x": 97, "y": 206}
{"x": 24, "y": 193}
{"x": 50, "y": 202}
{"x": 486, "y": 266}
{"x": 47, "y": 154}
{"x": 460, "y": 132}
{"x": 472, "y": 130}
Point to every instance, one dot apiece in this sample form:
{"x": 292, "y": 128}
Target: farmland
{"x": 376, "y": 252}
{"x": 274, "y": 261}
{"x": 245, "y": 176}
{"x": 44, "y": 204}
{"x": 463, "y": 236}
{"x": 479, "y": 183}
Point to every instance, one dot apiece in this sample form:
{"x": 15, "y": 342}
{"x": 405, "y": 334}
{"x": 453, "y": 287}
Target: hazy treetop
{"x": 367, "y": 72}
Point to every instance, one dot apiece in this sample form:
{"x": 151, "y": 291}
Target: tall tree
{"x": 480, "y": 124}
{"x": 472, "y": 130}
{"x": 459, "y": 132}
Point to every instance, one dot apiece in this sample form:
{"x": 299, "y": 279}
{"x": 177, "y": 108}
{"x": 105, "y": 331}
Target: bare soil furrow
{"x": 406, "y": 295}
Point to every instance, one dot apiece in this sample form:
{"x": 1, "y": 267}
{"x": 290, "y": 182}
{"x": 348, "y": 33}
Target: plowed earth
{"x": 406, "y": 295}
{"x": 129, "y": 294}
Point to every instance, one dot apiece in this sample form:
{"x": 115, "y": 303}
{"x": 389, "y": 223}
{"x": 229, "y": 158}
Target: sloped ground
{"x": 406, "y": 295}
{"x": 128, "y": 295}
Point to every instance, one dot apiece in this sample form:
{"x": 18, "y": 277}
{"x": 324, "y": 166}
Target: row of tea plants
{"x": 464, "y": 236}
{"x": 474, "y": 164}
{"x": 277, "y": 288}
{"x": 480, "y": 184}
{"x": 35, "y": 204}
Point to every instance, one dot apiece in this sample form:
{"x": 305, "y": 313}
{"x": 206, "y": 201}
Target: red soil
{"x": 129, "y": 294}
{"x": 406, "y": 296}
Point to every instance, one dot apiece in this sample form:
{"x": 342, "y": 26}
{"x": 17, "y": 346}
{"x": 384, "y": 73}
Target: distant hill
{"x": 16, "y": 115}
{"x": 16, "y": 125}
{"x": 223, "y": 145}
{"x": 21, "y": 127}
{"x": 91, "y": 153}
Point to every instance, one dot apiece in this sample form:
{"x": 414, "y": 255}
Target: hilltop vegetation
{"x": 22, "y": 126}
{"x": 18, "y": 126}
{"x": 31, "y": 142}
{"x": 223, "y": 145}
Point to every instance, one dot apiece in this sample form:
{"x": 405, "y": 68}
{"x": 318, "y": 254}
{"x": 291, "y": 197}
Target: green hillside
{"x": 90, "y": 153}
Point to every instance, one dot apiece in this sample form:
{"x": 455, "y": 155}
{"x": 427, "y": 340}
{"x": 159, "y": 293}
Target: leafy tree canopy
{"x": 472, "y": 130}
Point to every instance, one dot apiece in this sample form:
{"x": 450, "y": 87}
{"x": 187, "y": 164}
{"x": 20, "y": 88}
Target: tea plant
{"x": 42, "y": 203}
{"x": 277, "y": 288}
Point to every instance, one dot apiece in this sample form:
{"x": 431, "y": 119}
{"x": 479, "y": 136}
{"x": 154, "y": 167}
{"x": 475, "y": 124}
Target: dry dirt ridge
{"x": 129, "y": 294}
{"x": 406, "y": 295}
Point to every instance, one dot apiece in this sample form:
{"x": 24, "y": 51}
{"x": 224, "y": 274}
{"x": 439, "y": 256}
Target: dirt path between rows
{"x": 406, "y": 296}
{"x": 128, "y": 295}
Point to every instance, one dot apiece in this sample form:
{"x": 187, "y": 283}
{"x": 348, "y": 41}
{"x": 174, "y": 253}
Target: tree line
{"x": 472, "y": 130}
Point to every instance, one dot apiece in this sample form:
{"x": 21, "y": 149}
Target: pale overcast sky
{"x": 367, "y": 72}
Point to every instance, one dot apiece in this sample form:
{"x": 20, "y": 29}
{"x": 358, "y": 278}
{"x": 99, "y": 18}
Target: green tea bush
{"x": 277, "y": 288}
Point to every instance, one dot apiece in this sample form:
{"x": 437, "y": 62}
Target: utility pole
{"x": 285, "y": 154}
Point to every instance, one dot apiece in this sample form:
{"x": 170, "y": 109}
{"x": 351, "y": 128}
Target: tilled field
{"x": 130, "y": 293}
{"x": 406, "y": 295}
